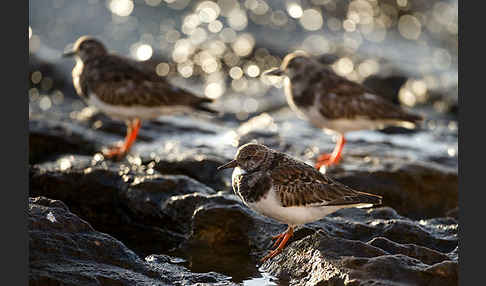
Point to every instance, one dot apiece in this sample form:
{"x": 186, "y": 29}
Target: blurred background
{"x": 405, "y": 49}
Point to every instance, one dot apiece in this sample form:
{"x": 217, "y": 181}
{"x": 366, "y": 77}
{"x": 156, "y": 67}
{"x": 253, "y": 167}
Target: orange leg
{"x": 284, "y": 237}
{"x": 333, "y": 158}
{"x": 278, "y": 238}
{"x": 132, "y": 132}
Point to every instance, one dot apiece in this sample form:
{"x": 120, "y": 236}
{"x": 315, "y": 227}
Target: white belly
{"x": 237, "y": 171}
{"x": 314, "y": 116}
{"x": 343, "y": 125}
{"x": 270, "y": 206}
{"x": 137, "y": 111}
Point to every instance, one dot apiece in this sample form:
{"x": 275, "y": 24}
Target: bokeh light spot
{"x": 407, "y": 97}
{"x": 279, "y": 18}
{"x": 311, "y": 20}
{"x": 143, "y": 52}
{"x": 45, "y": 103}
{"x": 295, "y": 10}
{"x": 162, "y": 69}
{"x": 243, "y": 45}
{"x": 214, "y": 90}
{"x": 36, "y": 77}
{"x": 121, "y": 8}
{"x": 185, "y": 69}
{"x": 153, "y": 3}
{"x": 402, "y": 3}
{"x": 252, "y": 70}
{"x": 236, "y": 72}
{"x": 237, "y": 19}
{"x": 215, "y": 26}
{"x": 343, "y": 66}
{"x": 368, "y": 67}
{"x": 409, "y": 27}
{"x": 349, "y": 25}
{"x": 208, "y": 11}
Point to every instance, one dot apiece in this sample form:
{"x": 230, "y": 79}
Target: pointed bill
{"x": 68, "y": 54}
{"x": 273, "y": 72}
{"x": 230, "y": 164}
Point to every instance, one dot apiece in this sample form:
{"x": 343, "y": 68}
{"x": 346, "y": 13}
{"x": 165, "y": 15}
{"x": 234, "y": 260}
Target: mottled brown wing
{"x": 302, "y": 185}
{"x": 121, "y": 81}
{"x": 364, "y": 105}
{"x": 342, "y": 98}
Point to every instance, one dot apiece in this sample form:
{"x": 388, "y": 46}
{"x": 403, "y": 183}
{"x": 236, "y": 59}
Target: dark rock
{"x": 416, "y": 190}
{"x": 426, "y": 255}
{"x": 453, "y": 213}
{"x": 117, "y": 201}
{"x": 320, "y": 259}
{"x": 223, "y": 228}
{"x": 201, "y": 168}
{"x": 164, "y": 265}
{"x": 48, "y": 139}
{"x": 66, "y": 250}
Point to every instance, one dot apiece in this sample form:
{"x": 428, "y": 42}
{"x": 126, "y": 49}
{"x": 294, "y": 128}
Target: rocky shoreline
{"x": 165, "y": 216}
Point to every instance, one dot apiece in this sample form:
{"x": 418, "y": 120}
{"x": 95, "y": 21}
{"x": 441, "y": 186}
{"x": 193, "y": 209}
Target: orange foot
{"x": 327, "y": 159}
{"x": 282, "y": 238}
{"x": 116, "y": 152}
{"x": 122, "y": 149}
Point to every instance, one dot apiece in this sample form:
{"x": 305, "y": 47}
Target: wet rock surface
{"x": 65, "y": 250}
{"x": 375, "y": 247}
{"x": 165, "y": 215}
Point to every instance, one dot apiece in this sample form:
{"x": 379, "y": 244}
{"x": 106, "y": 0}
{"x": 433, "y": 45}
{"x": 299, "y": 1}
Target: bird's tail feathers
{"x": 367, "y": 198}
{"x": 202, "y": 106}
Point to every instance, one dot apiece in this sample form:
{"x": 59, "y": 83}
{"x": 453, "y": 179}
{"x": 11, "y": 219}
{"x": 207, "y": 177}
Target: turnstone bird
{"x": 288, "y": 190}
{"x": 126, "y": 90}
{"x": 334, "y": 103}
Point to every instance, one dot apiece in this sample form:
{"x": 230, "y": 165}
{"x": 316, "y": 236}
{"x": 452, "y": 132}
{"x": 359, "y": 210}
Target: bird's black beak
{"x": 230, "y": 164}
{"x": 273, "y": 72}
{"x": 68, "y": 54}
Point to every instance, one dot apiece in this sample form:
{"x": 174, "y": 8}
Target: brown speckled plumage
{"x": 338, "y": 96}
{"x": 295, "y": 183}
{"x": 122, "y": 81}
{"x": 333, "y": 103}
{"x": 288, "y": 190}
{"x": 126, "y": 90}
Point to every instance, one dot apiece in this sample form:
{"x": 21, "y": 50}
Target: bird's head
{"x": 250, "y": 157}
{"x": 290, "y": 63}
{"x": 86, "y": 47}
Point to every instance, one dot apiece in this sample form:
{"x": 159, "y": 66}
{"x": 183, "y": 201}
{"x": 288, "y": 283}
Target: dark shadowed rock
{"x": 414, "y": 189}
{"x": 320, "y": 259}
{"x": 428, "y": 256}
{"x": 66, "y": 250}
{"x": 180, "y": 275}
{"x": 48, "y": 139}
{"x": 126, "y": 202}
